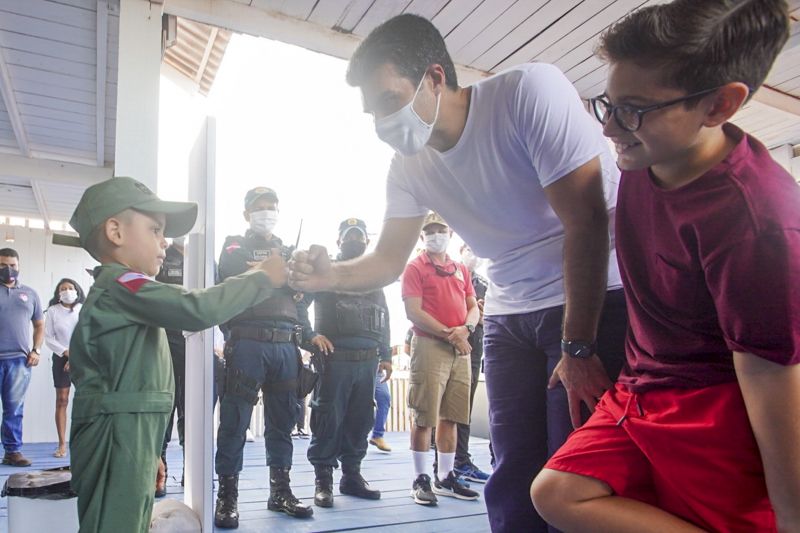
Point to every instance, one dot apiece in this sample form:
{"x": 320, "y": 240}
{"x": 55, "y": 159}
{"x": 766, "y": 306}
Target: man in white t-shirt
{"x": 522, "y": 173}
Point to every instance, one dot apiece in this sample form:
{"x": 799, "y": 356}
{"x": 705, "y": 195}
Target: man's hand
{"x": 585, "y": 381}
{"x": 386, "y": 368}
{"x": 33, "y": 359}
{"x": 323, "y": 344}
{"x": 66, "y": 366}
{"x": 274, "y": 267}
{"x": 161, "y": 474}
{"x": 457, "y": 334}
{"x": 310, "y": 270}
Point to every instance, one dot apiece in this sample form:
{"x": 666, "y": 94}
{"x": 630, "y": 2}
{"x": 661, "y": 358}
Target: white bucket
{"x": 41, "y": 501}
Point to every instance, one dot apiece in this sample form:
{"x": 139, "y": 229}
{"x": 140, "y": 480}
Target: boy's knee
{"x": 553, "y": 492}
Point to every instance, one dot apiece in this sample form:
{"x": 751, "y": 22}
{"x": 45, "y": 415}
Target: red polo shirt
{"x": 444, "y": 297}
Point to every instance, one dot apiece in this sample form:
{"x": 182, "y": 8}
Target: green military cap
{"x": 110, "y": 197}
{"x": 434, "y": 218}
{"x": 254, "y": 194}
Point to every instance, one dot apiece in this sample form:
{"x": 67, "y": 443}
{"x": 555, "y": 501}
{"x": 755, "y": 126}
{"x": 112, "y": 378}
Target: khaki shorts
{"x": 439, "y": 383}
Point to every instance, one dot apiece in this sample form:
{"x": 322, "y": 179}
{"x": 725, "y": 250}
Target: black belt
{"x": 354, "y": 355}
{"x": 262, "y": 334}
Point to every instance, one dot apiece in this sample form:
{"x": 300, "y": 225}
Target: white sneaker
{"x": 249, "y": 437}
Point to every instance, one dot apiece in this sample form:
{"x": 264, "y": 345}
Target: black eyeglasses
{"x": 629, "y": 117}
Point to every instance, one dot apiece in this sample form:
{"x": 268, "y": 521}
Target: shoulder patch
{"x": 232, "y": 247}
{"x": 133, "y": 281}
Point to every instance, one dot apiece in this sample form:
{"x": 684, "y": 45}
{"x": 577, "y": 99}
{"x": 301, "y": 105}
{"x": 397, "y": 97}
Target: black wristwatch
{"x": 38, "y": 352}
{"x": 578, "y": 349}
{"x": 470, "y": 328}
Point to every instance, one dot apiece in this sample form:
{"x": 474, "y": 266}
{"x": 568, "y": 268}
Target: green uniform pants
{"x": 114, "y": 461}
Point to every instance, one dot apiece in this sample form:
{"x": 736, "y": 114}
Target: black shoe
{"x": 323, "y": 486}
{"x": 226, "y": 514}
{"x": 281, "y": 498}
{"x": 455, "y": 487}
{"x": 421, "y": 491}
{"x": 353, "y": 484}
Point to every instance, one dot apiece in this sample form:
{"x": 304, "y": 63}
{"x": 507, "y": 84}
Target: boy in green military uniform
{"x": 119, "y": 359}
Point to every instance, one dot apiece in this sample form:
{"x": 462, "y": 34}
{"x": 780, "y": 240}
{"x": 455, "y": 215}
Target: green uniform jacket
{"x": 122, "y": 371}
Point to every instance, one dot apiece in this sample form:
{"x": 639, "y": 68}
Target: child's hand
{"x": 161, "y": 475}
{"x": 275, "y": 268}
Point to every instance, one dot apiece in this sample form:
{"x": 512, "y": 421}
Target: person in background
{"x": 60, "y": 319}
{"x": 440, "y": 302}
{"x": 172, "y": 272}
{"x": 383, "y": 402}
{"x": 19, "y": 308}
{"x": 464, "y": 466}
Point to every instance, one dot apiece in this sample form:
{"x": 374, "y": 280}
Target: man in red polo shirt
{"x": 440, "y": 302}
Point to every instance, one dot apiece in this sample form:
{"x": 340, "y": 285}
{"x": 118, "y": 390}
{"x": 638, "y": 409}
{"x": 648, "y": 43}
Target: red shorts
{"x": 689, "y": 452}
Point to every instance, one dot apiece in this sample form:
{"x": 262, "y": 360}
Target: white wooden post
{"x": 136, "y": 151}
{"x": 199, "y": 271}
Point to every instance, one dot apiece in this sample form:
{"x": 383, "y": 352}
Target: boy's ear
{"x": 113, "y": 231}
{"x": 726, "y": 101}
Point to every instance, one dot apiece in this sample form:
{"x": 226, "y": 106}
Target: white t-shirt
{"x": 526, "y": 128}
{"x": 59, "y": 322}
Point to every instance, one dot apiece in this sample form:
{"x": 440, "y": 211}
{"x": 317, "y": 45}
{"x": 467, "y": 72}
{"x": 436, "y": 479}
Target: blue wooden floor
{"x": 392, "y": 473}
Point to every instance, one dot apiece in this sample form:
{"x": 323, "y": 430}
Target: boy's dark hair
{"x": 9, "y": 252}
{"x": 57, "y": 298}
{"x": 409, "y": 42}
{"x": 704, "y": 44}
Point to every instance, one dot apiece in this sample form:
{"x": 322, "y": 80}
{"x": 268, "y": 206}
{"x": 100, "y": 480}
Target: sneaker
{"x": 471, "y": 472}
{"x": 453, "y": 486}
{"x": 381, "y": 444}
{"x": 16, "y": 459}
{"x": 421, "y": 491}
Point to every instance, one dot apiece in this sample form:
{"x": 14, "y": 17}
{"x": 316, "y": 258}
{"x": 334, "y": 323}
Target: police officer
{"x": 342, "y": 410}
{"x": 261, "y": 354}
{"x": 172, "y": 272}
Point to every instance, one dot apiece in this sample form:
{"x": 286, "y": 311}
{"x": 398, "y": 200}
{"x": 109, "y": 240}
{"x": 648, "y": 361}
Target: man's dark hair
{"x": 57, "y": 297}
{"x": 409, "y": 42}
{"x": 9, "y": 252}
{"x": 704, "y": 44}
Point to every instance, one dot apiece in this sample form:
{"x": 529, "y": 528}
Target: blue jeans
{"x": 383, "y": 400}
{"x": 528, "y": 422}
{"x": 14, "y": 379}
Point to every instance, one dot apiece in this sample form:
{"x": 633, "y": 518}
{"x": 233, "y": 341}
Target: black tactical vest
{"x": 282, "y": 304}
{"x": 350, "y": 315}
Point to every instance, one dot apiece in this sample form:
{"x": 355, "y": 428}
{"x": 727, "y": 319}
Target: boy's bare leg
{"x": 571, "y": 502}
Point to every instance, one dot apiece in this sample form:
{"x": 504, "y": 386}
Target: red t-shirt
{"x": 443, "y": 297}
{"x": 710, "y": 268}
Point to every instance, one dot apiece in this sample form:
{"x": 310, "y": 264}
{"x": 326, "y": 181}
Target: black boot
{"x": 281, "y": 498}
{"x": 353, "y": 484}
{"x": 226, "y": 514}
{"x": 323, "y": 486}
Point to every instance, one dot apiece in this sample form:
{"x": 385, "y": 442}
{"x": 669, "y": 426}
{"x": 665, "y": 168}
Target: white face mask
{"x": 69, "y": 296}
{"x": 436, "y": 243}
{"x": 263, "y": 222}
{"x": 469, "y": 259}
{"x": 404, "y": 130}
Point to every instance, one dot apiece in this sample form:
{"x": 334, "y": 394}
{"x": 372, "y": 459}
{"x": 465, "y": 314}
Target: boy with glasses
{"x": 700, "y": 432}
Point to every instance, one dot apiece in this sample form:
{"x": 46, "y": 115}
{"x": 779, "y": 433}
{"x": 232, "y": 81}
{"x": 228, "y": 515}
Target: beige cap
{"x": 434, "y": 218}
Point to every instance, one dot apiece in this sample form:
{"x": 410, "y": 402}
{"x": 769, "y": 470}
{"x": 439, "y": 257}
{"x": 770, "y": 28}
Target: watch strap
{"x": 579, "y": 349}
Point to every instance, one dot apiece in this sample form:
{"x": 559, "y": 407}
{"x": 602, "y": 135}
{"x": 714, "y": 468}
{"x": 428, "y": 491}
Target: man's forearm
{"x": 585, "y": 279}
{"x": 367, "y": 273}
{"x": 38, "y": 336}
{"x": 427, "y": 323}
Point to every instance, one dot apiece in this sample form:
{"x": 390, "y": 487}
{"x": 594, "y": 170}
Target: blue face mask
{"x": 8, "y": 274}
